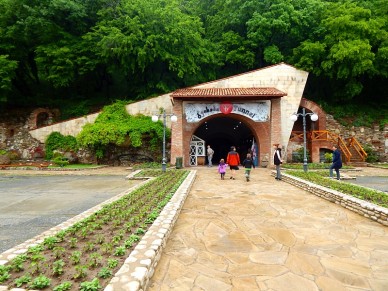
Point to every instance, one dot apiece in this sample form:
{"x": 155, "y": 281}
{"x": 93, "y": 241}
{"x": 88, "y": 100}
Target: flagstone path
{"x": 269, "y": 235}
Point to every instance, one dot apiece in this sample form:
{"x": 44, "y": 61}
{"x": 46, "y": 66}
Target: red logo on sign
{"x": 226, "y": 107}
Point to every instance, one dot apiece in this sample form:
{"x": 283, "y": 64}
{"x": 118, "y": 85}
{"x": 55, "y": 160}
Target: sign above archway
{"x": 257, "y": 111}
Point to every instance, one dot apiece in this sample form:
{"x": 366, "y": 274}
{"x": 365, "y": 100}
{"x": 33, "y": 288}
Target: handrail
{"x": 333, "y": 137}
{"x": 344, "y": 149}
{"x": 353, "y": 142}
{"x": 325, "y": 135}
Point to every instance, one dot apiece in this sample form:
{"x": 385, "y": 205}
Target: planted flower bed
{"x": 321, "y": 178}
{"x": 87, "y": 255}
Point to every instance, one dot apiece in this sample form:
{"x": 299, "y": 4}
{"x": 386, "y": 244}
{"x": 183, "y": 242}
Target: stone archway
{"x": 223, "y": 132}
{"x": 218, "y": 131}
{"x": 311, "y": 106}
{"x": 40, "y": 117}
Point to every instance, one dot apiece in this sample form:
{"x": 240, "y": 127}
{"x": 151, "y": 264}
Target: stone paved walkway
{"x": 269, "y": 235}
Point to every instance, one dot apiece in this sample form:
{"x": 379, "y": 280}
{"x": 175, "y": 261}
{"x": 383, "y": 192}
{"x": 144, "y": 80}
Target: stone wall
{"x": 15, "y": 137}
{"x": 374, "y": 136}
{"x": 15, "y": 127}
{"x": 74, "y": 126}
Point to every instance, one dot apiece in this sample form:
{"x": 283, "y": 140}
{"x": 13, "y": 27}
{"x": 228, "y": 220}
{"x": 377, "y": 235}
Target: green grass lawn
{"x": 311, "y": 166}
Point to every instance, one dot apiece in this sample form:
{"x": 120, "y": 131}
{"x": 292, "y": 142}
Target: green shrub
{"x": 93, "y": 285}
{"x": 56, "y": 141}
{"x": 372, "y": 155}
{"x": 61, "y": 161}
{"x": 298, "y": 155}
{"x": 328, "y": 157}
{"x": 40, "y": 282}
{"x": 63, "y": 287}
{"x": 114, "y": 126}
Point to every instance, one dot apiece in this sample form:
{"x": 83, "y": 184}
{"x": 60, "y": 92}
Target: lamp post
{"x": 155, "y": 118}
{"x": 313, "y": 117}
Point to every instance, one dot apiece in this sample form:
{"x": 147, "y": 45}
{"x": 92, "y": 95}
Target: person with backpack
{"x": 248, "y": 164}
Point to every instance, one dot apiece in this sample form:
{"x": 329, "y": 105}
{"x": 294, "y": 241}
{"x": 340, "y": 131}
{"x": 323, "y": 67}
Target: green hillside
{"x": 80, "y": 55}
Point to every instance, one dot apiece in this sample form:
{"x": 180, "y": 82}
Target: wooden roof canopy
{"x": 229, "y": 93}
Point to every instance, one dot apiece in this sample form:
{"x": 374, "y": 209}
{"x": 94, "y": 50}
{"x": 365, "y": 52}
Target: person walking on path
{"x": 337, "y": 162}
{"x": 222, "y": 168}
{"x": 248, "y": 164}
{"x": 277, "y": 160}
{"x": 210, "y": 154}
{"x": 233, "y": 160}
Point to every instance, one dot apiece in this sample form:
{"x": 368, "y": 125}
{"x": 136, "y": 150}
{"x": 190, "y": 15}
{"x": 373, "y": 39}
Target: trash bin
{"x": 179, "y": 162}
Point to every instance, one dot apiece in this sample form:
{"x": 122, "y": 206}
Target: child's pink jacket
{"x": 222, "y": 168}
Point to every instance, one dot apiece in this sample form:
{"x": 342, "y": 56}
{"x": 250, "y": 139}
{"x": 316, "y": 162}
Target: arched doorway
{"x": 223, "y": 132}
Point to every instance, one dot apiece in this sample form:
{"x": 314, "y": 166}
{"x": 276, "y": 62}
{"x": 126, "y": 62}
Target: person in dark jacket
{"x": 248, "y": 165}
{"x": 337, "y": 162}
{"x": 277, "y": 160}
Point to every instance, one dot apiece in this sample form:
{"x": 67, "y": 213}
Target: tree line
{"x": 76, "y": 54}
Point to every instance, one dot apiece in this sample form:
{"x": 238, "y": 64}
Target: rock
{"x": 4, "y": 160}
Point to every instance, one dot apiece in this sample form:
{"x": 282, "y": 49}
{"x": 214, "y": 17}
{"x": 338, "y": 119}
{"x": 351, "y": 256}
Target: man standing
{"x": 337, "y": 162}
{"x": 210, "y": 154}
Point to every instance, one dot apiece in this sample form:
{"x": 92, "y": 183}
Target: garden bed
{"x": 364, "y": 201}
{"x": 88, "y": 253}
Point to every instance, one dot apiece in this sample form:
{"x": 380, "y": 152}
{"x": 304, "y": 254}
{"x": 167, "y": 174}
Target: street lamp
{"x": 155, "y": 118}
{"x": 313, "y": 117}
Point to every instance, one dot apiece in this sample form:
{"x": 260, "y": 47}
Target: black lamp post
{"x": 155, "y": 118}
{"x": 313, "y": 117}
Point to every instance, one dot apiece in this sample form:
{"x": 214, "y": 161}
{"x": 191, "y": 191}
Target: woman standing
{"x": 277, "y": 160}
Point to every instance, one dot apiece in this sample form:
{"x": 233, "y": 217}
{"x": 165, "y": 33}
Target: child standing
{"x": 248, "y": 163}
{"x": 222, "y": 168}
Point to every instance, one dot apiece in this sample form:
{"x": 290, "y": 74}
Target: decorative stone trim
{"x": 369, "y": 210}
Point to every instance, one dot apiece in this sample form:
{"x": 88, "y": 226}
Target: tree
{"x": 153, "y": 43}
{"x": 7, "y": 71}
{"x": 344, "y": 50}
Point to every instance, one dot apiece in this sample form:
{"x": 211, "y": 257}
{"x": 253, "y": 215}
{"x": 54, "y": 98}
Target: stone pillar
{"x": 177, "y": 132}
{"x": 276, "y": 129}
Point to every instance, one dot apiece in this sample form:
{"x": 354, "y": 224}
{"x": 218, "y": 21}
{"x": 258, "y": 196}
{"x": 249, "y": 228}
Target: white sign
{"x": 257, "y": 111}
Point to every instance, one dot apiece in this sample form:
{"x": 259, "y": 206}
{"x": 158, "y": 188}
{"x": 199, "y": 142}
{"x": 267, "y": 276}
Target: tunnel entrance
{"x": 223, "y": 132}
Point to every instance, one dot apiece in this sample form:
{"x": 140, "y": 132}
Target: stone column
{"x": 176, "y": 132}
{"x": 276, "y": 128}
